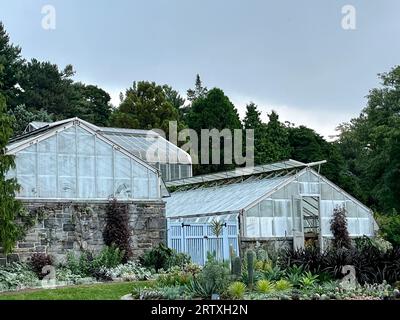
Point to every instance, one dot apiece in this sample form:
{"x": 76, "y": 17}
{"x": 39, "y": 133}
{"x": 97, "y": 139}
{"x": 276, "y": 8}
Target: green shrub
{"x": 389, "y": 226}
{"x": 264, "y": 286}
{"x": 17, "y": 276}
{"x": 129, "y": 271}
{"x": 308, "y": 280}
{"x": 162, "y": 257}
{"x": 213, "y": 278}
{"x": 174, "y": 277}
{"x": 90, "y": 265}
{"x": 236, "y": 290}
{"x": 274, "y": 273}
{"x": 283, "y": 285}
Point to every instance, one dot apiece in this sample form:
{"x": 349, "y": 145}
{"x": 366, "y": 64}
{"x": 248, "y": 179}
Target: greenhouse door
{"x": 197, "y": 240}
{"x": 298, "y": 230}
{"x": 306, "y": 221}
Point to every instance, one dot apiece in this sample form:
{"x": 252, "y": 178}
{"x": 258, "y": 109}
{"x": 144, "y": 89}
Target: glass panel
{"x": 48, "y": 145}
{"x": 266, "y": 208}
{"x": 351, "y": 209}
{"x": 297, "y": 215}
{"x": 326, "y": 191}
{"x": 26, "y": 163}
{"x": 153, "y": 186}
{"x": 85, "y": 142}
{"x": 365, "y": 226}
{"x": 140, "y": 181}
{"x": 47, "y": 186}
{"x": 266, "y": 226}
{"x": 66, "y": 141}
{"x": 67, "y": 187}
{"x": 253, "y": 227}
{"x": 353, "y": 226}
{"x": 28, "y": 186}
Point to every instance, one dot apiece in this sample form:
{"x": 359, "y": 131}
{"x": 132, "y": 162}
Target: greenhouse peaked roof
{"x": 223, "y": 199}
{"x": 148, "y": 145}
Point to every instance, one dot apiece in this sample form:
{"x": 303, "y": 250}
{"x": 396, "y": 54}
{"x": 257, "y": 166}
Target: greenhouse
{"x": 171, "y": 161}
{"x": 283, "y": 203}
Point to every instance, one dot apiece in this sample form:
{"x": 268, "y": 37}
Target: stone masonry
{"x": 64, "y": 227}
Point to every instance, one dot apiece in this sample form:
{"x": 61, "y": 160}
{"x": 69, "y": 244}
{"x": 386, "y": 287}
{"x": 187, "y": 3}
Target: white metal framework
{"x": 70, "y": 160}
{"x": 173, "y": 162}
{"x": 277, "y": 206}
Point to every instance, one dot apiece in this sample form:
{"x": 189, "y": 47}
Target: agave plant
{"x": 308, "y": 280}
{"x": 283, "y": 285}
{"x": 264, "y": 286}
{"x": 236, "y": 290}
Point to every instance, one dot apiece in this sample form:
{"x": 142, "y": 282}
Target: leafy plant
{"x": 341, "y": 238}
{"x": 116, "y": 231}
{"x": 274, "y": 273}
{"x": 162, "y": 257}
{"x": 308, "y": 280}
{"x": 129, "y": 271}
{"x": 264, "y": 286}
{"x": 38, "y": 261}
{"x": 213, "y": 278}
{"x": 174, "y": 277}
{"x": 283, "y": 285}
{"x": 17, "y": 276}
{"x": 236, "y": 290}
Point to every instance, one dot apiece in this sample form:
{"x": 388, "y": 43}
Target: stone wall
{"x": 62, "y": 227}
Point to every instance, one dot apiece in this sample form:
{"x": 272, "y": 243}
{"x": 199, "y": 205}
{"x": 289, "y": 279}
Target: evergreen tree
{"x": 198, "y": 92}
{"x": 145, "y": 106}
{"x": 252, "y": 120}
{"x": 278, "y": 147}
{"x": 11, "y": 62}
{"x": 214, "y": 111}
{"x": 9, "y": 206}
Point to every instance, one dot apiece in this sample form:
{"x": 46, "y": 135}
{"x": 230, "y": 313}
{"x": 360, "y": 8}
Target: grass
{"x": 100, "y": 291}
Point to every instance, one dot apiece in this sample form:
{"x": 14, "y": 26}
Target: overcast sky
{"x": 291, "y": 56}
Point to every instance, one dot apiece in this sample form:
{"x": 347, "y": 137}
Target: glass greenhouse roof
{"x": 243, "y": 172}
{"x": 221, "y": 199}
{"x": 145, "y": 144}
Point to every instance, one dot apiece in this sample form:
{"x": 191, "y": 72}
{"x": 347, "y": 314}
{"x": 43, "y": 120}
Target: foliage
{"x": 389, "y": 226}
{"x": 162, "y": 257}
{"x": 17, "y": 276}
{"x": 236, "y": 290}
{"x": 38, "y": 261}
{"x": 65, "y": 275}
{"x": 214, "y": 278}
{"x": 341, "y": 238}
{"x": 129, "y": 271}
{"x": 174, "y": 276}
{"x": 10, "y": 230}
{"x": 145, "y": 106}
{"x": 308, "y": 280}
{"x": 378, "y": 242}
{"x": 214, "y": 111}
{"x": 90, "y": 265}
{"x": 264, "y": 286}
{"x": 273, "y": 273}
{"x": 116, "y": 231}
{"x": 283, "y": 285}
{"x": 369, "y": 143}
{"x": 198, "y": 92}
{"x": 22, "y": 117}
{"x": 250, "y": 255}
